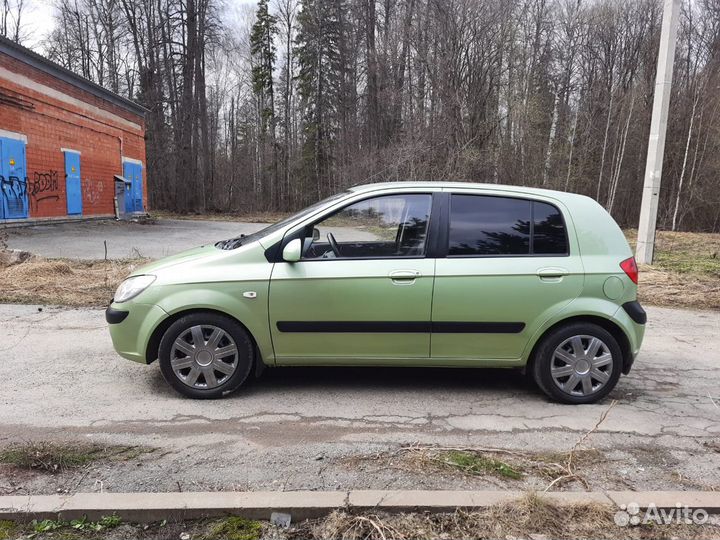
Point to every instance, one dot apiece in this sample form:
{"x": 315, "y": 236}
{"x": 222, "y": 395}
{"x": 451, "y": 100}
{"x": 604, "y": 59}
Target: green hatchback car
{"x": 397, "y": 274}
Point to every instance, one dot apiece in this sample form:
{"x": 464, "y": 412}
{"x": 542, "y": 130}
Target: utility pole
{"x": 658, "y": 127}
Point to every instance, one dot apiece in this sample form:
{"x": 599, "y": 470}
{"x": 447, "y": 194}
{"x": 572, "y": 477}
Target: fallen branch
{"x": 570, "y": 471}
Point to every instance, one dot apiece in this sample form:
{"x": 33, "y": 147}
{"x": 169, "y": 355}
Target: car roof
{"x": 464, "y": 185}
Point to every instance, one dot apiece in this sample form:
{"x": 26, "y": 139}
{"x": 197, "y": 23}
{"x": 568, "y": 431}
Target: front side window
{"x": 381, "y": 227}
{"x": 483, "y": 225}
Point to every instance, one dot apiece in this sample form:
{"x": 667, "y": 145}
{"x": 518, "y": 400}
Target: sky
{"x": 38, "y": 20}
{"x": 38, "y": 23}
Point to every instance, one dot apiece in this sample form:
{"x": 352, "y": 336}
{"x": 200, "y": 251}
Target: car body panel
{"x": 131, "y": 336}
{"x": 350, "y": 291}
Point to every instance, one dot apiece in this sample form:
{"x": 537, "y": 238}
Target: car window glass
{"x": 483, "y": 225}
{"x": 549, "y": 236}
{"x": 387, "y": 226}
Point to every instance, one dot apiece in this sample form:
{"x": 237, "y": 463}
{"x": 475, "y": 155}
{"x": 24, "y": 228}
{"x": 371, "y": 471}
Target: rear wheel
{"x": 577, "y": 363}
{"x": 205, "y": 355}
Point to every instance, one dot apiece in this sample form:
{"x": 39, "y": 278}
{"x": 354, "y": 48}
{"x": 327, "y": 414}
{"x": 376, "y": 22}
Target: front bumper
{"x": 115, "y": 316}
{"x": 131, "y": 326}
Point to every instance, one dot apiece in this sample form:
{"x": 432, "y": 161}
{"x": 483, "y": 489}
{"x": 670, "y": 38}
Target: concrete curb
{"x": 146, "y": 507}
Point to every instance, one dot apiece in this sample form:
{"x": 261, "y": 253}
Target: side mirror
{"x": 292, "y": 251}
{"x": 316, "y": 234}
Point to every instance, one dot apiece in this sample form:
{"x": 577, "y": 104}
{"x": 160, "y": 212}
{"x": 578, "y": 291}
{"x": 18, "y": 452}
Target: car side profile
{"x": 397, "y": 274}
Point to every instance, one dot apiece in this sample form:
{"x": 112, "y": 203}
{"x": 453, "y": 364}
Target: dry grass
{"x": 57, "y": 457}
{"x": 530, "y": 517}
{"x": 508, "y": 465}
{"x": 63, "y": 282}
{"x": 686, "y": 272}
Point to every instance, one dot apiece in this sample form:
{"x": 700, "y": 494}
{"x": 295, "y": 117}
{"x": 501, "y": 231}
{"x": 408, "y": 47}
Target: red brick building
{"x": 65, "y": 143}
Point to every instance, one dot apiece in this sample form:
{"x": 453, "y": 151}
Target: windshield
{"x": 243, "y": 239}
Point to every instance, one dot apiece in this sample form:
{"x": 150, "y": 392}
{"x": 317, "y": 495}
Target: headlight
{"x": 131, "y": 287}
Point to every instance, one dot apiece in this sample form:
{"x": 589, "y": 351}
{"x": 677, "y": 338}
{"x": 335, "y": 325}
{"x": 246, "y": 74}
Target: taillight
{"x": 629, "y": 266}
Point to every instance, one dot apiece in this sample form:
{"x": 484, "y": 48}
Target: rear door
{"x": 507, "y": 267}
{"x": 72, "y": 182}
{"x": 366, "y": 301}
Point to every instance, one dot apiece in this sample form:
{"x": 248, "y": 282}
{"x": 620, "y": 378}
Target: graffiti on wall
{"x": 93, "y": 191}
{"x": 44, "y": 186}
{"x": 14, "y": 190}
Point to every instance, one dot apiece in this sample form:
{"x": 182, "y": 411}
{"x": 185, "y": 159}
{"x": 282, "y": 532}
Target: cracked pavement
{"x": 301, "y": 428}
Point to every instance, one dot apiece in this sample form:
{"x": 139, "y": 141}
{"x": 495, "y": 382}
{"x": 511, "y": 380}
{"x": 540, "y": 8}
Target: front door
{"x": 72, "y": 182}
{"x": 13, "y": 179}
{"x": 508, "y": 268}
{"x": 362, "y": 291}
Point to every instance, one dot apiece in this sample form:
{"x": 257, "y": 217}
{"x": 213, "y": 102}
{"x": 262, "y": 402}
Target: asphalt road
{"x": 319, "y": 428}
{"x": 130, "y": 240}
{"x": 125, "y": 240}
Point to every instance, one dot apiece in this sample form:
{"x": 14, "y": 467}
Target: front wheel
{"x": 577, "y": 363}
{"x": 205, "y": 355}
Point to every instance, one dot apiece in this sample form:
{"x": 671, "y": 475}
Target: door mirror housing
{"x": 292, "y": 251}
{"x": 316, "y": 234}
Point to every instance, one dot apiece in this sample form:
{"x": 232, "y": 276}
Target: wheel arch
{"x": 613, "y": 328}
{"x": 153, "y": 346}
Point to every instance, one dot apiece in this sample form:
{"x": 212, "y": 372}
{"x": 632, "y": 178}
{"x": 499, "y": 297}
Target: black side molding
{"x": 115, "y": 316}
{"x": 635, "y": 311}
{"x": 374, "y": 327}
{"x": 403, "y": 327}
{"x": 477, "y": 327}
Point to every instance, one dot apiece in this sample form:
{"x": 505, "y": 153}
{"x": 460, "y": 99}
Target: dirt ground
{"x": 686, "y": 272}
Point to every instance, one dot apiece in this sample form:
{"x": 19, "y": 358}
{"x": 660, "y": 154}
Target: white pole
{"x": 658, "y": 126}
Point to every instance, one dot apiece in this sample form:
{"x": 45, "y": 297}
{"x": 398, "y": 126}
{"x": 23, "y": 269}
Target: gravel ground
{"x": 324, "y": 428}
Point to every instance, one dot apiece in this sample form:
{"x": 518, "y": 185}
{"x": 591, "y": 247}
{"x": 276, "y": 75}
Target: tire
{"x": 211, "y": 369}
{"x": 560, "y": 370}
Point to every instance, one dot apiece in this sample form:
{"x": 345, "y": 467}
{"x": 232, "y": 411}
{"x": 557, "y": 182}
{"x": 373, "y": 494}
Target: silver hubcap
{"x": 581, "y": 365}
{"x": 204, "y": 356}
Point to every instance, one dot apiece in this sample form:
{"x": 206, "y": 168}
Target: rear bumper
{"x": 632, "y": 319}
{"x": 635, "y": 311}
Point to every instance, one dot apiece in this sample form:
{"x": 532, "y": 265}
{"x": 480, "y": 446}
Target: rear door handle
{"x": 404, "y": 277}
{"x": 552, "y": 273}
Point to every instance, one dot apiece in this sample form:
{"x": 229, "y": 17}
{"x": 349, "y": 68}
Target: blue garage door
{"x": 13, "y": 179}
{"x": 72, "y": 182}
{"x": 132, "y": 171}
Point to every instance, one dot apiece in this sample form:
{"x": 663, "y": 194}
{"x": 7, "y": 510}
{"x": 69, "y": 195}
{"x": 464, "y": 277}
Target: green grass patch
{"x": 56, "y": 457}
{"x": 8, "y": 529}
{"x": 684, "y": 252}
{"x": 683, "y": 262}
{"x": 477, "y": 464}
{"x": 235, "y": 528}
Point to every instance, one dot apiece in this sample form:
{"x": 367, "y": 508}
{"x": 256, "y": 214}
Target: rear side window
{"x": 486, "y": 225}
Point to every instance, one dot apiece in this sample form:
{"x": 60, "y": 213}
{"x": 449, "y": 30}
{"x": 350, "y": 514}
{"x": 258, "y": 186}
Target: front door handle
{"x": 404, "y": 277}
